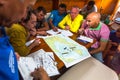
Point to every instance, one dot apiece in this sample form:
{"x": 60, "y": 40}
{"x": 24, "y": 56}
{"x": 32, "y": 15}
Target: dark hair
{"x": 28, "y": 16}
{"x": 39, "y": 9}
{"x": 62, "y": 5}
{"x": 91, "y": 3}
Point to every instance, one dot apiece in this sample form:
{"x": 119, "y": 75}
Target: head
{"x": 93, "y": 19}
{"x": 90, "y": 4}
{"x": 62, "y": 9}
{"x": 118, "y": 33}
{"x": 74, "y": 12}
{"x": 12, "y": 11}
{"x": 40, "y": 13}
{"x": 30, "y": 21}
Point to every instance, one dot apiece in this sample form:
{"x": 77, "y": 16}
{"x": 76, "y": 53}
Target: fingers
{"x": 17, "y": 55}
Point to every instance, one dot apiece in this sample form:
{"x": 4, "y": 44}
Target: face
{"x": 92, "y": 21}
{"x": 61, "y": 10}
{"x": 12, "y": 11}
{"x": 74, "y": 12}
{"x": 89, "y": 7}
{"x": 40, "y": 15}
{"x": 32, "y": 22}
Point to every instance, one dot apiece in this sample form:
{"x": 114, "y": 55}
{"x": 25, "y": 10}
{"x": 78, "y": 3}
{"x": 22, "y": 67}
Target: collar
{"x": 97, "y": 28}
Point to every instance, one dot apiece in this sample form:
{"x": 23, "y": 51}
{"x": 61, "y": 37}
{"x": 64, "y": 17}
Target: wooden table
{"x": 45, "y": 47}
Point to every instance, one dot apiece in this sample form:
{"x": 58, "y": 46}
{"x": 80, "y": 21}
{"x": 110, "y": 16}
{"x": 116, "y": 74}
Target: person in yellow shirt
{"x": 19, "y": 34}
{"x": 72, "y": 21}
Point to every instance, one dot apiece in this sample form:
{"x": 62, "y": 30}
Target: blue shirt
{"x": 56, "y": 17}
{"x": 8, "y": 61}
{"x": 114, "y": 38}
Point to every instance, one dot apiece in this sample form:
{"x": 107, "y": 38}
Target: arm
{"x": 63, "y": 22}
{"x": 51, "y": 18}
{"x": 118, "y": 48}
{"x": 43, "y": 33}
{"x": 45, "y": 28}
{"x": 82, "y": 28}
{"x": 52, "y": 25}
{"x": 100, "y": 49}
{"x": 18, "y": 40}
{"x": 103, "y": 39}
{"x": 95, "y": 8}
{"x": 35, "y": 43}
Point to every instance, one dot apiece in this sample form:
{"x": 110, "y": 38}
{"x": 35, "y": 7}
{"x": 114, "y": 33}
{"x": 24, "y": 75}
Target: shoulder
{"x": 17, "y": 28}
{"x": 54, "y": 12}
{"x": 95, "y": 8}
{"x": 79, "y": 17}
{"x": 104, "y": 28}
{"x": 67, "y": 16}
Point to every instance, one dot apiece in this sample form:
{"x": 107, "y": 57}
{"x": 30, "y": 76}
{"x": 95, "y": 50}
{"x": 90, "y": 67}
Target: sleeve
{"x": 95, "y": 8}
{"x": 52, "y": 15}
{"x": 83, "y": 25}
{"x": 105, "y": 34}
{"x": 18, "y": 40}
{"x": 63, "y": 22}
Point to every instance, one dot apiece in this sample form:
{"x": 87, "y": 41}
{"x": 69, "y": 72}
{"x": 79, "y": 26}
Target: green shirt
{"x": 18, "y": 37}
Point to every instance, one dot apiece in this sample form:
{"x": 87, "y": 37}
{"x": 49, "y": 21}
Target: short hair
{"x": 91, "y": 3}
{"x": 62, "y": 5}
{"x": 75, "y": 7}
{"x": 39, "y": 9}
{"x": 28, "y": 16}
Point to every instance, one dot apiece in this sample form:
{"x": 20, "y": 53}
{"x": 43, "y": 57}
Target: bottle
{"x": 107, "y": 20}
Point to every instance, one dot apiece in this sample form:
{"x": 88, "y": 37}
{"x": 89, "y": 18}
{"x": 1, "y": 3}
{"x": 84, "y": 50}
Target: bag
{"x": 8, "y": 61}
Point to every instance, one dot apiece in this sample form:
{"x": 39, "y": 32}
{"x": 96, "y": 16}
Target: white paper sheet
{"x": 85, "y": 38}
{"x": 39, "y": 58}
{"x": 60, "y": 31}
{"x": 29, "y": 42}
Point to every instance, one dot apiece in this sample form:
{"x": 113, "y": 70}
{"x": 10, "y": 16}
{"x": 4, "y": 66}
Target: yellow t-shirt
{"x": 18, "y": 37}
{"x": 74, "y": 25}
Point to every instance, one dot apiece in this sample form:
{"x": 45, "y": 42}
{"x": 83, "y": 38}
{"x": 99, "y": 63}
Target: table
{"x": 45, "y": 47}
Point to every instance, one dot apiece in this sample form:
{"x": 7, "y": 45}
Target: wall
{"x": 104, "y": 6}
{"x": 45, "y": 3}
{"x": 70, "y": 3}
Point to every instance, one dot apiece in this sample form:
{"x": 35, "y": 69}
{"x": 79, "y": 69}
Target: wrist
{"x": 91, "y": 52}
